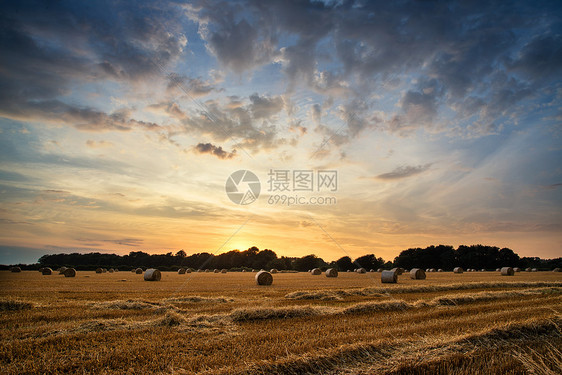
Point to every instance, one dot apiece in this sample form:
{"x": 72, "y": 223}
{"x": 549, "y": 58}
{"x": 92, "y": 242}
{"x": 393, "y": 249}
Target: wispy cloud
{"x": 403, "y": 172}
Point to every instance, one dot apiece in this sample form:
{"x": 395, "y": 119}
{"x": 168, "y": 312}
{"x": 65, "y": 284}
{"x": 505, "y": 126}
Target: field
{"x": 210, "y": 323}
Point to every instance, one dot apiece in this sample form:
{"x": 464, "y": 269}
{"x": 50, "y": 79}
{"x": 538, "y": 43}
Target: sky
{"x": 359, "y": 126}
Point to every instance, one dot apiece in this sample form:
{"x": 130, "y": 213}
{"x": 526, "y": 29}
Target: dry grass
{"x": 226, "y": 324}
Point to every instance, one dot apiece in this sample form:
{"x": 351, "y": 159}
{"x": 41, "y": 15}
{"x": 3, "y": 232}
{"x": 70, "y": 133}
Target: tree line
{"x": 442, "y": 256}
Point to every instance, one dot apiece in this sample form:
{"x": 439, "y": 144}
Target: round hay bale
{"x": 507, "y": 271}
{"x": 115, "y": 270}
{"x": 207, "y": 270}
{"x": 199, "y": 270}
{"x": 188, "y": 270}
{"x": 440, "y": 270}
{"x": 401, "y": 271}
{"x": 61, "y": 270}
{"x": 181, "y": 271}
{"x": 316, "y": 271}
{"x": 482, "y": 270}
{"x": 273, "y": 270}
{"x": 398, "y": 270}
{"x": 331, "y": 272}
{"x": 223, "y": 270}
{"x": 104, "y": 270}
{"x": 417, "y": 274}
{"x": 379, "y": 270}
{"x": 355, "y": 270}
{"x": 517, "y": 269}
{"x": 458, "y": 270}
{"x": 99, "y": 270}
{"x": 361, "y": 270}
{"x": 528, "y": 269}
{"x": 41, "y": 269}
{"x": 111, "y": 270}
{"x": 348, "y": 271}
{"x": 15, "y": 269}
{"x": 152, "y": 274}
{"x": 264, "y": 278}
{"x": 371, "y": 270}
{"x": 389, "y": 276}
{"x": 138, "y": 271}
{"x": 498, "y": 269}
{"x": 556, "y": 270}
{"x": 69, "y": 272}
{"x": 534, "y": 270}
{"x": 216, "y": 270}
{"x": 432, "y": 270}
{"x": 46, "y": 271}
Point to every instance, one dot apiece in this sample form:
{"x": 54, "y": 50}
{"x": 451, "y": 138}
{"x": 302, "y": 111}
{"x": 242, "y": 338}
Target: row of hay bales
{"x": 105, "y": 270}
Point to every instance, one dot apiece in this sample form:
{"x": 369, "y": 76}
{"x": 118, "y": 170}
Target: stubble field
{"x": 210, "y": 323}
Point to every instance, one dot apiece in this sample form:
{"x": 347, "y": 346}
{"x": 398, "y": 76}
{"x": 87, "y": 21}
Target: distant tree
{"x": 369, "y": 261}
{"x": 308, "y": 262}
{"x": 344, "y": 263}
{"x": 181, "y": 254}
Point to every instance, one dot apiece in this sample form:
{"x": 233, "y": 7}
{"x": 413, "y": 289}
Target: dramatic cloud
{"x": 208, "y": 148}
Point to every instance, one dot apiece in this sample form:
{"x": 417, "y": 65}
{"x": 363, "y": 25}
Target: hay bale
{"x": 331, "y": 272}
{"x": 517, "y": 269}
{"x": 556, "y": 270}
{"x": 398, "y": 270}
{"x": 99, "y": 270}
{"x": 273, "y": 270}
{"x": 316, "y": 271}
{"x": 498, "y": 269}
{"x": 361, "y": 270}
{"x": 188, "y": 270}
{"x": 111, "y": 270}
{"x": 46, "y": 271}
{"x": 432, "y": 270}
{"x": 528, "y": 269}
{"x": 216, "y": 270}
{"x": 417, "y": 274}
{"x": 243, "y": 270}
{"x": 15, "y": 269}
{"x": 104, "y": 270}
{"x": 223, "y": 270}
{"x": 61, "y": 270}
{"x": 138, "y": 271}
{"x": 69, "y": 272}
{"x": 181, "y": 271}
{"x": 371, "y": 270}
{"x": 507, "y": 271}
{"x": 534, "y": 270}
{"x": 152, "y": 274}
{"x": 264, "y": 278}
{"x": 458, "y": 270}
{"x": 348, "y": 271}
{"x": 440, "y": 270}
{"x": 389, "y": 276}
{"x": 482, "y": 270}
{"x": 379, "y": 270}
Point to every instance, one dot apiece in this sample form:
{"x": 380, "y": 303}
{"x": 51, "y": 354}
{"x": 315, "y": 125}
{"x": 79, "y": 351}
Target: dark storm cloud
{"x": 466, "y": 48}
{"x": 47, "y": 47}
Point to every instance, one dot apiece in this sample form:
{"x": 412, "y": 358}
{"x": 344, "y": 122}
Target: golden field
{"x": 116, "y": 323}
